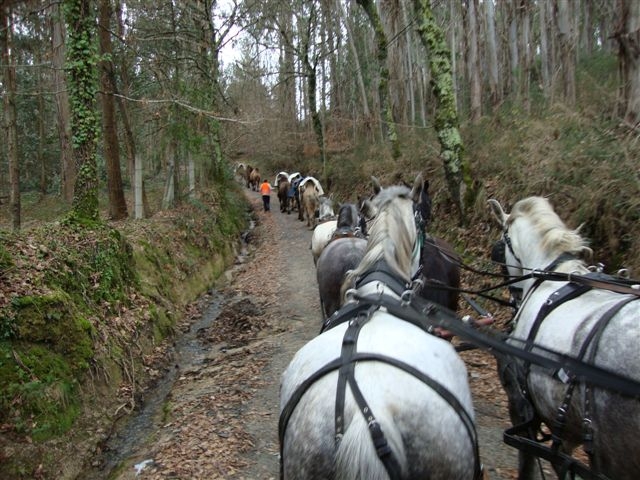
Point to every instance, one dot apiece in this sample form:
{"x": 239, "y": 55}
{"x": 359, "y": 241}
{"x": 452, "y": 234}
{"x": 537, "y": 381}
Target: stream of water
{"x": 189, "y": 352}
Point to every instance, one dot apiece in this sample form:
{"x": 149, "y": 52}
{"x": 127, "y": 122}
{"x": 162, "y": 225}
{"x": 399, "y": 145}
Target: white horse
{"x": 598, "y": 327}
{"x": 320, "y": 237}
{"x": 377, "y": 397}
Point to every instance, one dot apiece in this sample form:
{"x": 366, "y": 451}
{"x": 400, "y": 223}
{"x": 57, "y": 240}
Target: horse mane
{"x": 556, "y": 237}
{"x": 347, "y": 216}
{"x": 392, "y": 235}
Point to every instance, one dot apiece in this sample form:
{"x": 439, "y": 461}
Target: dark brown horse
{"x": 283, "y": 195}
{"x": 440, "y": 273}
{"x": 336, "y": 259}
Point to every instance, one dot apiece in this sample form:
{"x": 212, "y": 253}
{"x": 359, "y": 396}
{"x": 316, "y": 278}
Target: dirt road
{"x": 220, "y": 419}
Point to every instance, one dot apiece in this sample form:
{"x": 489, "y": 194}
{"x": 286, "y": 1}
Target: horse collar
{"x": 381, "y": 272}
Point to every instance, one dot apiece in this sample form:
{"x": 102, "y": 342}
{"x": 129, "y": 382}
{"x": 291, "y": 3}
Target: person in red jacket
{"x": 265, "y": 191}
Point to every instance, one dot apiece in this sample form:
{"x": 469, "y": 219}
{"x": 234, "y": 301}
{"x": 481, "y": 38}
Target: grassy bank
{"x": 85, "y": 311}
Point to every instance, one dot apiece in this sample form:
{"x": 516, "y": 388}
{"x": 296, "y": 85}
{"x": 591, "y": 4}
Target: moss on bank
{"x": 83, "y": 307}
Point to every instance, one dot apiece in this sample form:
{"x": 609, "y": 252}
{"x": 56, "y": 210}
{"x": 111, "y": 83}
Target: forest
{"x": 122, "y": 111}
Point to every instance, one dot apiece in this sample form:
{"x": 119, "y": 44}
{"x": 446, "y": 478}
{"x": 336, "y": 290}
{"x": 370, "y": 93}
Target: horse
{"x": 440, "y": 272}
{"x": 337, "y": 258}
{"x": 254, "y": 179}
{"x": 440, "y": 263}
{"x": 247, "y": 173}
{"x": 308, "y": 184}
{"x": 279, "y": 177}
{"x": 312, "y": 200}
{"x": 294, "y": 197}
{"x": 584, "y": 320}
{"x": 283, "y": 195}
{"x": 240, "y": 172}
{"x": 346, "y": 225}
{"x": 409, "y": 412}
{"x": 325, "y": 209}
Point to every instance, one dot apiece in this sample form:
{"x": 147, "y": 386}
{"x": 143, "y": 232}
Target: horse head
{"x": 534, "y": 237}
{"x": 393, "y": 236}
{"x": 348, "y": 216}
{"x": 325, "y": 209}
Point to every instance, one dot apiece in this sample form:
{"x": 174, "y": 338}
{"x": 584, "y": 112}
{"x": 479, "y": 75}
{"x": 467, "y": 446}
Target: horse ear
{"x": 416, "y": 191}
{"x": 376, "y": 185}
{"x": 498, "y": 213}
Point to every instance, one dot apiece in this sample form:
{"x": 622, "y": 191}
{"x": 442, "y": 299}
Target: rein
{"x": 429, "y": 314}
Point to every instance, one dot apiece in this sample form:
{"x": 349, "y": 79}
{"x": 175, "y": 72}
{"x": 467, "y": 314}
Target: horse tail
{"x": 356, "y": 457}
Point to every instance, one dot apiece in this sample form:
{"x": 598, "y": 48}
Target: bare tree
{"x": 383, "y": 85}
{"x": 495, "y": 93}
{"x": 473, "y": 67}
{"x": 117, "y": 204}
{"x": 9, "y": 80}
{"x": 67, "y": 167}
{"x": 566, "y": 42}
{"x": 628, "y": 36}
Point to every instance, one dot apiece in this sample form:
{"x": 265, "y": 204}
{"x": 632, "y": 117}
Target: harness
{"x": 358, "y": 315}
{"x": 526, "y": 436}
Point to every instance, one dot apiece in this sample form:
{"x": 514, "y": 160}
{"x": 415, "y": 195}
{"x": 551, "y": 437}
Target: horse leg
{"x": 521, "y": 411}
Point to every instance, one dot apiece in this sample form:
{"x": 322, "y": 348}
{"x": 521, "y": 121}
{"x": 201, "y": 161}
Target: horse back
{"x": 615, "y": 418}
{"x": 441, "y": 269}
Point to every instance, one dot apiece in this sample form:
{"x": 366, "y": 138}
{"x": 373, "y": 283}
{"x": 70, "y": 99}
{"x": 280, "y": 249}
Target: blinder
{"x": 499, "y": 256}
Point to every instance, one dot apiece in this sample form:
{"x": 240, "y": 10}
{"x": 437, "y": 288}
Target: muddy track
{"x": 220, "y": 419}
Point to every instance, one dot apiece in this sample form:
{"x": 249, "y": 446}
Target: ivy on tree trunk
{"x": 82, "y": 62}
{"x": 456, "y": 170}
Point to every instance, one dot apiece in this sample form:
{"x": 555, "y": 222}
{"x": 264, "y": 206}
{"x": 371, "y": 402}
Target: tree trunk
{"x": 310, "y": 73}
{"x": 169, "y": 197}
{"x": 354, "y": 52}
{"x": 84, "y": 118}
{"x": 566, "y": 42}
{"x": 628, "y": 37}
{"x": 411, "y": 80}
{"x": 525, "y": 48}
{"x": 133, "y": 162}
{"x": 457, "y": 172}
{"x": 545, "y": 65}
{"x": 67, "y": 167}
{"x": 495, "y": 92}
{"x": 383, "y": 87}
{"x": 117, "y": 204}
{"x": 10, "y": 124}
{"x": 513, "y": 48}
{"x": 473, "y": 67}
{"x": 139, "y": 207}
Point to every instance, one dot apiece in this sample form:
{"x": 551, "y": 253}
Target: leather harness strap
{"x": 345, "y": 364}
{"x": 562, "y": 295}
{"x": 346, "y": 375}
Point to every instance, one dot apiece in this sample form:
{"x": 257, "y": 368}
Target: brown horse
{"x": 254, "y": 179}
{"x": 440, "y": 272}
{"x": 310, "y": 203}
{"x": 247, "y": 175}
{"x": 283, "y": 195}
